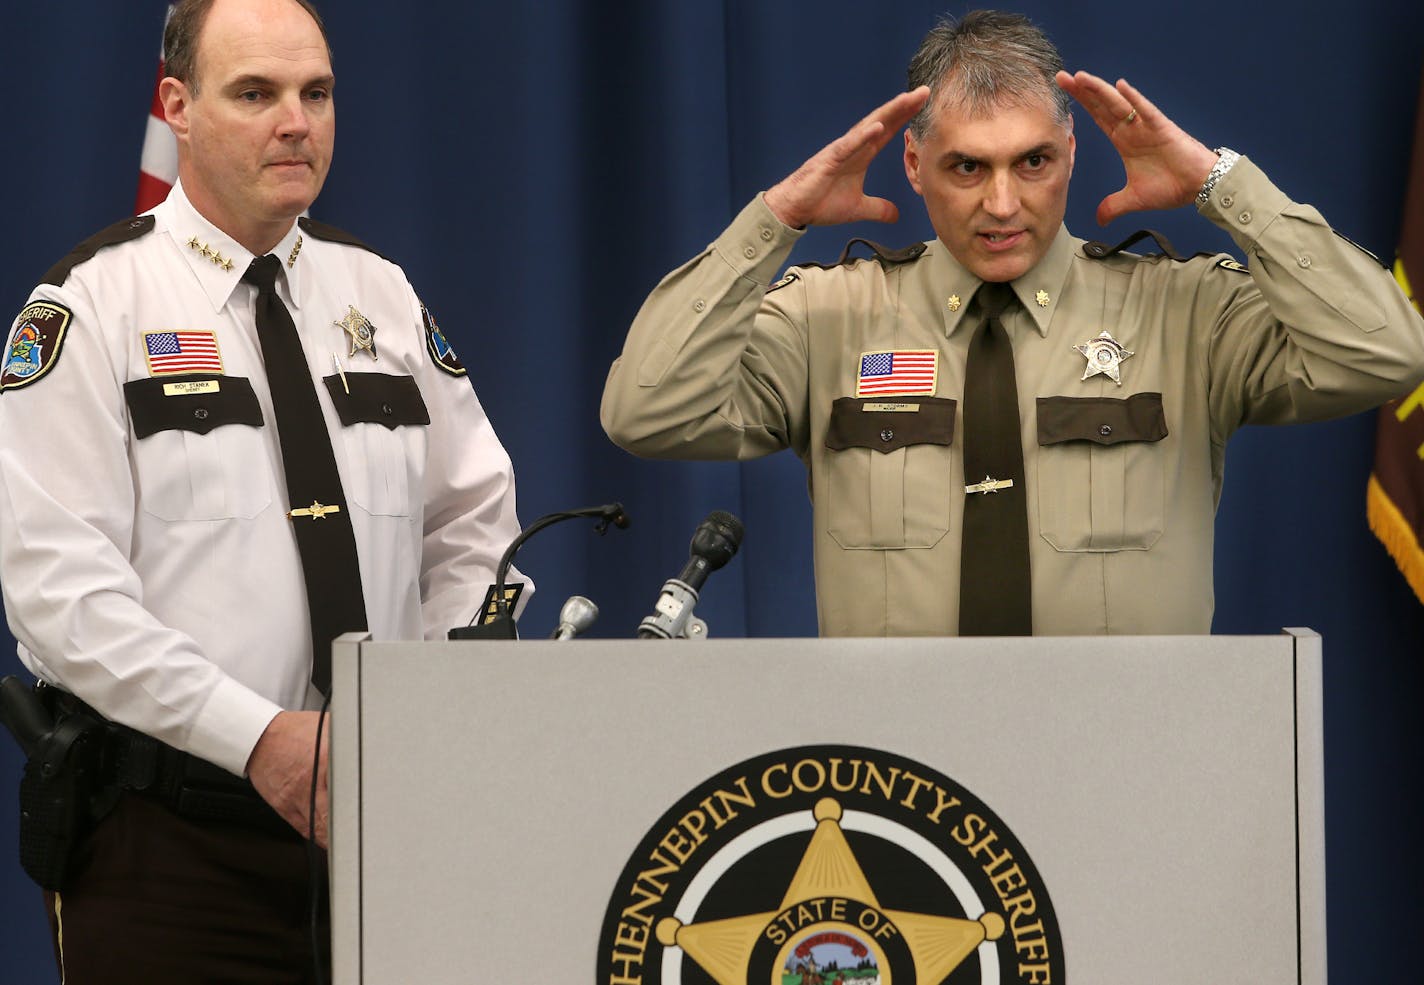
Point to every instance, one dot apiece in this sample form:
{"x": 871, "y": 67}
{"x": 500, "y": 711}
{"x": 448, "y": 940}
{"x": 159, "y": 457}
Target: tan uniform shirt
{"x": 1120, "y": 520}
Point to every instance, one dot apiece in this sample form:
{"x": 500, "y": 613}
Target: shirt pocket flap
{"x": 1101, "y": 420}
{"x": 887, "y": 424}
{"x": 196, "y": 402}
{"x": 377, "y": 398}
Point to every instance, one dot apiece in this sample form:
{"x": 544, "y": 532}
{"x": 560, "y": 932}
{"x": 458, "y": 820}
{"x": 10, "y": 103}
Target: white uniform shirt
{"x": 158, "y": 578}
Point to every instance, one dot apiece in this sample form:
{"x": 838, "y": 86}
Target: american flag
{"x": 158, "y": 165}
{"x": 182, "y": 352}
{"x": 901, "y": 372}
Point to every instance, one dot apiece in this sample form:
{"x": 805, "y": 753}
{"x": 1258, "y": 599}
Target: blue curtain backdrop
{"x": 537, "y": 167}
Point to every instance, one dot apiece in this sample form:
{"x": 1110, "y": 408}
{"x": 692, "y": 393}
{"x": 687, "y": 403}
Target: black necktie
{"x": 318, "y": 512}
{"x": 994, "y": 593}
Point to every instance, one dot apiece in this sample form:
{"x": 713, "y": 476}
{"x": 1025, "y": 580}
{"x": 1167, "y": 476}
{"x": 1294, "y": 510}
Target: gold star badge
{"x": 953, "y": 302}
{"x": 1042, "y": 298}
{"x": 360, "y": 330}
{"x": 829, "y": 894}
{"x": 1105, "y": 355}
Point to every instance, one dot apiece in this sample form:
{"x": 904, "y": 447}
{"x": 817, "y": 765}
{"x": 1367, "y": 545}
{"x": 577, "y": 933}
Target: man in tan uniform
{"x": 1131, "y": 371}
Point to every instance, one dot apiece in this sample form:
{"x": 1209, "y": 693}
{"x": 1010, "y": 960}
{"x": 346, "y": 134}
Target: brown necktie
{"x": 994, "y": 592}
{"x": 318, "y": 512}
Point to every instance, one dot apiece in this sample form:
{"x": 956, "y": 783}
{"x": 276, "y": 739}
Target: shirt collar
{"x": 1038, "y": 290}
{"x": 216, "y": 259}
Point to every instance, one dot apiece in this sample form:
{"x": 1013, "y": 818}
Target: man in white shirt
{"x": 151, "y": 531}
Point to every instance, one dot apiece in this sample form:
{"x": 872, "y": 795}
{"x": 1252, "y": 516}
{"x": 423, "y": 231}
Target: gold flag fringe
{"x": 1398, "y": 537}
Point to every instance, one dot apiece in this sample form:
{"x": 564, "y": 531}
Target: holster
{"x": 63, "y": 790}
{"x": 79, "y": 763}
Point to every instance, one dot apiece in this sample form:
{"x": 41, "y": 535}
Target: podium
{"x": 1086, "y": 810}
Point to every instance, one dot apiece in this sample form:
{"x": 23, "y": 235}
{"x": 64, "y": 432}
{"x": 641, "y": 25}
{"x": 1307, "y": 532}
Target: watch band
{"x": 1224, "y": 163}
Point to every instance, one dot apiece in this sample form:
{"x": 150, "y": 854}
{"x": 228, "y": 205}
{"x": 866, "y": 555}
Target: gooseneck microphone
{"x": 575, "y": 617}
{"x": 713, "y": 544}
{"x": 501, "y": 626}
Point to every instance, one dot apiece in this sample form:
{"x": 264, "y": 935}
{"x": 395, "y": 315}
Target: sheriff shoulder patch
{"x": 34, "y": 343}
{"x": 440, "y": 348}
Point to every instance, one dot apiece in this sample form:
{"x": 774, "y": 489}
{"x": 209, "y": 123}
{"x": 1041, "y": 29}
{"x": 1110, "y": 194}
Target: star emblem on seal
{"x": 360, "y": 330}
{"x": 1105, "y": 355}
{"x": 829, "y": 899}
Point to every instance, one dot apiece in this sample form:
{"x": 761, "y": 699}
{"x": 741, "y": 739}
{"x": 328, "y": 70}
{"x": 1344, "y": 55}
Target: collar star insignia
{"x": 360, "y": 330}
{"x": 208, "y": 253}
{"x": 1042, "y": 298}
{"x": 953, "y": 302}
{"x": 829, "y": 893}
{"x": 1105, "y": 355}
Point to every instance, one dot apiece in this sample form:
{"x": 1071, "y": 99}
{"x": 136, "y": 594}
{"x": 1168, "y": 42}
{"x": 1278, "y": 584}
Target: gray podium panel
{"x": 488, "y": 796}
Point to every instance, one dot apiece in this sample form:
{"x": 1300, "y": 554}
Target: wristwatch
{"x": 1224, "y": 163}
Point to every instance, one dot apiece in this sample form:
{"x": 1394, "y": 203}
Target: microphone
{"x": 501, "y": 626}
{"x": 575, "y": 617}
{"x": 713, "y": 544}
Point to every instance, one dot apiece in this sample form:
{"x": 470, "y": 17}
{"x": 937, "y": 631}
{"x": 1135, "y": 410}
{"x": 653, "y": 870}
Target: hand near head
{"x": 280, "y": 768}
{"x": 1165, "y": 165}
{"x": 830, "y": 187}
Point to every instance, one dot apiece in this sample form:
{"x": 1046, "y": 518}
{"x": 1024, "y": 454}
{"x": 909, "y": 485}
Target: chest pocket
{"x": 198, "y": 451}
{"x": 384, "y": 419}
{"x": 1101, "y": 474}
{"x": 887, "y": 471}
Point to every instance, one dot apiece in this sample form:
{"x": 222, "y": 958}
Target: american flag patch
{"x": 181, "y": 352}
{"x": 900, "y": 373}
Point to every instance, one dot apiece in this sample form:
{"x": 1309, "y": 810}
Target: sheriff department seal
{"x": 830, "y": 865}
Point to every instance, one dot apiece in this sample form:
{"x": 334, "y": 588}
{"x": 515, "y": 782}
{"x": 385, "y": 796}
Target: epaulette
{"x": 883, "y": 254}
{"x": 119, "y": 232}
{"x": 1101, "y": 251}
{"x": 320, "y": 230}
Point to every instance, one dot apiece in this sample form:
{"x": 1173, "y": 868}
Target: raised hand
{"x": 830, "y": 187}
{"x": 1165, "y": 165}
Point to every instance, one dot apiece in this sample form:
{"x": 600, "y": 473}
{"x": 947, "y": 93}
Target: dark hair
{"x": 185, "y": 24}
{"x": 988, "y": 58}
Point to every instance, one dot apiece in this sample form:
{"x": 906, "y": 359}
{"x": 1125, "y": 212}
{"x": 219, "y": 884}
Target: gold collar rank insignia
{"x": 208, "y": 253}
{"x": 360, "y": 330}
{"x": 1105, "y": 355}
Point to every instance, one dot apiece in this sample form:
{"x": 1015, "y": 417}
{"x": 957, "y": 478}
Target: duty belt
{"x": 192, "y": 788}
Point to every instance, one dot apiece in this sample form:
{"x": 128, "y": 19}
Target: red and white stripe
{"x": 158, "y": 166}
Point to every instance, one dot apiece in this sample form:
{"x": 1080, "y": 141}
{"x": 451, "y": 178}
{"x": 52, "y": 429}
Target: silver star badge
{"x": 1105, "y": 355}
{"x": 361, "y": 331}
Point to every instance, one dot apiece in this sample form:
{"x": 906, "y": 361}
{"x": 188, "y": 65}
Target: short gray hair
{"x": 989, "y": 58}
